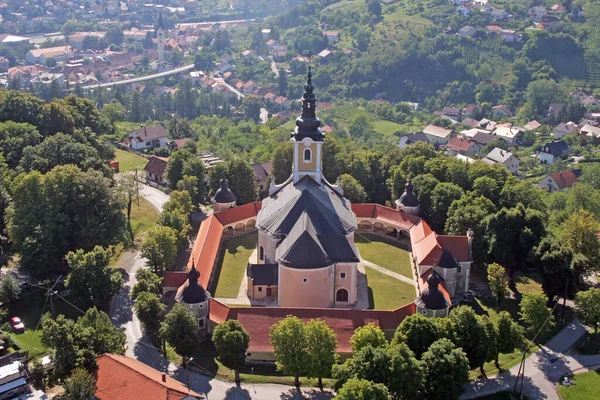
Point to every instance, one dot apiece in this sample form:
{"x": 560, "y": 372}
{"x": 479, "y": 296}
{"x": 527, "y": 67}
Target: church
{"x": 306, "y": 251}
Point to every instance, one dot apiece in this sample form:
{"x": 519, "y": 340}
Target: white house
{"x": 559, "y": 181}
{"x": 565, "y": 129}
{"x": 509, "y": 134}
{"x": 147, "y": 137}
{"x": 437, "y": 134}
{"x": 590, "y": 130}
{"x": 553, "y": 151}
{"x": 506, "y": 158}
{"x": 41, "y": 56}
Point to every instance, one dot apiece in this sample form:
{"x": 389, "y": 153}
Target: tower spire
{"x": 308, "y": 125}
{"x": 160, "y": 21}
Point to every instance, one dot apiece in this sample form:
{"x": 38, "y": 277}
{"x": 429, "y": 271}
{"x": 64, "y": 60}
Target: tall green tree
{"x": 580, "y": 234}
{"x": 321, "y": 346}
{"x": 147, "y": 281}
{"x": 406, "y": 377}
{"x": 536, "y": 314}
{"x": 180, "y": 330}
{"x": 242, "y": 181}
{"x": 588, "y": 308}
{"x": 360, "y": 389}
{"x": 92, "y": 281}
{"x": 498, "y": 281}
{"x": 81, "y": 385}
{"x": 366, "y": 335}
{"x": 446, "y": 370}
{"x": 160, "y": 248}
{"x": 510, "y": 336}
{"x": 9, "y": 288}
{"x": 353, "y": 190}
{"x": 282, "y": 162}
{"x": 232, "y": 341}
{"x": 418, "y": 332}
{"x": 288, "y": 339}
{"x": 150, "y": 311}
{"x": 470, "y": 335}
{"x": 373, "y": 364}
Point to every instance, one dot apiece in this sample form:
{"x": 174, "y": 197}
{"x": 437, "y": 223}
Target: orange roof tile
{"x": 235, "y": 214}
{"x": 218, "y": 311}
{"x": 427, "y": 246}
{"x": 206, "y": 248}
{"x": 457, "y": 245}
{"x": 392, "y": 216}
{"x": 120, "y": 377}
{"x": 172, "y": 279}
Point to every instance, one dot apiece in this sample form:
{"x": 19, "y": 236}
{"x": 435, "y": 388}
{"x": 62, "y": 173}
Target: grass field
{"x": 233, "y": 265}
{"x": 129, "y": 161}
{"x": 528, "y": 282}
{"x": 585, "y": 387}
{"x": 143, "y": 218}
{"x": 384, "y": 252}
{"x": 386, "y": 293}
{"x": 386, "y": 127}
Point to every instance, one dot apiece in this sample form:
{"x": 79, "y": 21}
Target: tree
{"x": 374, "y": 7}
{"x": 498, "y": 281}
{"x": 418, "y": 332}
{"x": 535, "y": 314}
{"x": 180, "y": 330}
{"x": 353, "y": 190}
{"x": 288, "y": 339}
{"x": 373, "y": 364}
{"x": 150, "y": 311}
{"x": 9, "y": 288}
{"x": 81, "y": 385}
{"x": 242, "y": 181}
{"x": 38, "y": 375}
{"x": 406, "y": 377}
{"x": 192, "y": 186}
{"x": 160, "y": 248}
{"x": 251, "y": 106}
{"x": 231, "y": 340}
{"x": 446, "y": 370}
{"x": 92, "y": 281}
{"x": 369, "y": 334}
{"x": 282, "y": 162}
{"x": 64, "y": 210}
{"x": 588, "y": 307}
{"x": 360, "y": 389}
{"x": 442, "y": 197}
{"x": 114, "y": 111}
{"x": 147, "y": 281}
{"x": 130, "y": 189}
{"x": 470, "y": 335}
{"x": 56, "y": 118}
{"x": 321, "y": 346}
{"x": 580, "y": 234}
{"x": 510, "y": 336}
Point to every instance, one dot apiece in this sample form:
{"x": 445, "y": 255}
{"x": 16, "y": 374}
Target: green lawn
{"x": 386, "y": 127}
{"x": 386, "y": 293}
{"x": 143, "y": 218}
{"x": 384, "y": 252}
{"x": 585, "y": 387}
{"x": 528, "y": 282}
{"x": 236, "y": 252}
{"x": 129, "y": 161}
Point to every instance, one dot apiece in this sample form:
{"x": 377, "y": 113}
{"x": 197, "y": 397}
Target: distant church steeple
{"x": 160, "y": 38}
{"x": 307, "y": 137}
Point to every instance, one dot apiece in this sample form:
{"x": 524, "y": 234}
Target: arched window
{"x": 341, "y": 295}
{"x": 307, "y": 155}
{"x": 261, "y": 253}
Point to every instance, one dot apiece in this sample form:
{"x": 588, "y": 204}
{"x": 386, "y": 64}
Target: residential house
{"x": 469, "y": 110}
{"x": 452, "y": 112}
{"x": 506, "y": 158}
{"x": 76, "y": 39}
{"x": 46, "y": 79}
{"x": 532, "y": 125}
{"x": 590, "y": 130}
{"x": 554, "y": 109}
{"x": 472, "y": 132}
{"x": 501, "y": 111}
{"x": 487, "y": 124}
{"x": 509, "y": 36}
{"x": 499, "y": 15}
{"x": 553, "y": 151}
{"x": 589, "y": 101}
{"x": 470, "y": 122}
{"x": 249, "y": 87}
{"x": 155, "y": 170}
{"x": 325, "y": 55}
{"x": 333, "y": 37}
{"x": 565, "y": 129}
{"x": 412, "y": 138}
{"x": 558, "y": 9}
{"x": 467, "y": 31}
{"x": 147, "y": 137}
{"x": 483, "y": 139}
{"x": 537, "y": 13}
{"x": 510, "y": 134}
{"x": 121, "y": 377}
{"x": 559, "y": 180}
{"x": 282, "y": 103}
{"x": 464, "y": 9}
{"x": 437, "y": 134}
{"x": 579, "y": 94}
{"x": 461, "y": 145}
{"x": 262, "y": 172}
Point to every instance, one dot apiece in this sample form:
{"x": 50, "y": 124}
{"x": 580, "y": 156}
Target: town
{"x": 350, "y": 199}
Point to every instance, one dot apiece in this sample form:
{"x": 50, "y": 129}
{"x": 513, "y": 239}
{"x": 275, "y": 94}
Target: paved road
{"x": 543, "y": 369}
{"x": 274, "y": 67}
{"x": 142, "y": 78}
{"x": 264, "y": 115}
{"x": 154, "y": 196}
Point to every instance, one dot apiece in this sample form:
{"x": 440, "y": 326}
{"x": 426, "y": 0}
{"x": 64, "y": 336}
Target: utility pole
{"x": 187, "y": 371}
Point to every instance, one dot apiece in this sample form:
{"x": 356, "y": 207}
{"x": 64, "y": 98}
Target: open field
{"x": 384, "y": 252}
{"x": 129, "y": 161}
{"x": 386, "y": 293}
{"x": 143, "y": 217}
{"x": 233, "y": 264}
{"x": 585, "y": 387}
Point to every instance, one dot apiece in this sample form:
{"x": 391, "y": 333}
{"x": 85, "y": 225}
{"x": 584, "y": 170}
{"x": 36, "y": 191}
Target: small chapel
{"x": 306, "y": 256}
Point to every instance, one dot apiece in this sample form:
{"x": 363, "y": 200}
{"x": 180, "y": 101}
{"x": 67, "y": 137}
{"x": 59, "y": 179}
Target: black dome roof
{"x": 408, "y": 198}
{"x": 192, "y": 292}
{"x": 224, "y": 194}
{"x": 432, "y": 297}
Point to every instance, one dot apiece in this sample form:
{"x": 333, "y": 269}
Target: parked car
{"x": 17, "y": 324}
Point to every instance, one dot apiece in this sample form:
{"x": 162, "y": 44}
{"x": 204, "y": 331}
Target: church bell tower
{"x": 160, "y": 38}
{"x": 307, "y": 137}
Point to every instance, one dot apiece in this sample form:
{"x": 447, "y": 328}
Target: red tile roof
{"x": 427, "y": 246}
{"x": 565, "y": 179}
{"x": 219, "y": 312}
{"x": 125, "y": 378}
{"x": 206, "y": 248}
{"x": 235, "y": 214}
{"x": 174, "y": 279}
{"x": 258, "y": 321}
{"x": 157, "y": 165}
{"x": 460, "y": 144}
{"x": 385, "y": 214}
